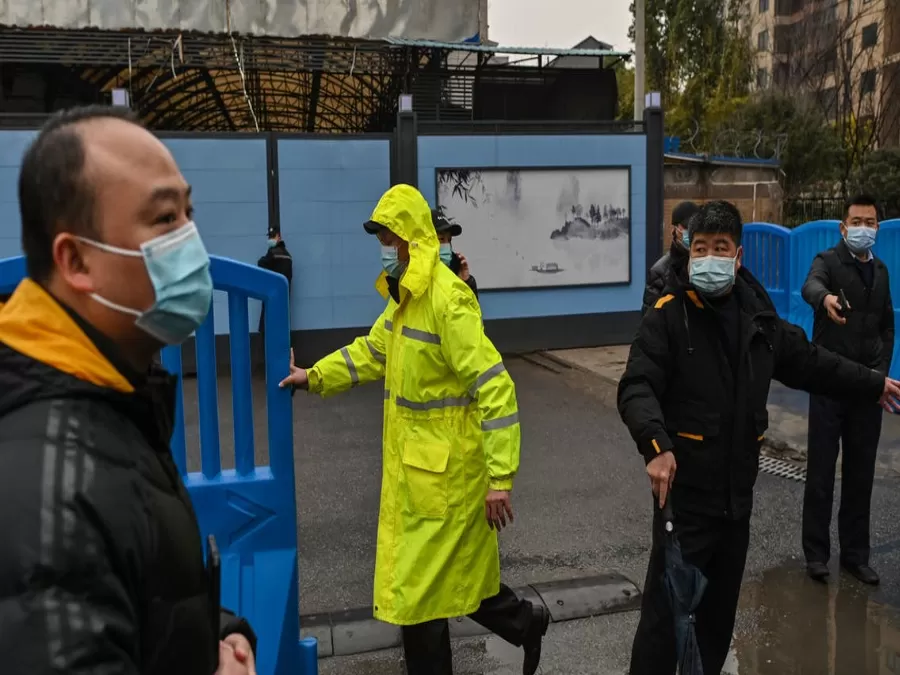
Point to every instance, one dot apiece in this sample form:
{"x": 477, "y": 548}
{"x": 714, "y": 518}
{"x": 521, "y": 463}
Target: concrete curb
{"x": 356, "y": 632}
{"x": 772, "y": 446}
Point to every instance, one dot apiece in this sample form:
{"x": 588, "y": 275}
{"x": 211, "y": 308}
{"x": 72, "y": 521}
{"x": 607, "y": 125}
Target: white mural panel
{"x": 525, "y": 228}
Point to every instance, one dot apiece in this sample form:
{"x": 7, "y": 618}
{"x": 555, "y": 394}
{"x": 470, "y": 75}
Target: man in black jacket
{"x": 101, "y": 567}
{"x": 278, "y": 260}
{"x": 671, "y": 270}
{"x": 693, "y": 396}
{"x": 863, "y": 331}
{"x": 447, "y": 229}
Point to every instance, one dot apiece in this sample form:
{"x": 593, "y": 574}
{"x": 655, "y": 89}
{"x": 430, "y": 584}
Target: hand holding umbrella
{"x": 685, "y": 585}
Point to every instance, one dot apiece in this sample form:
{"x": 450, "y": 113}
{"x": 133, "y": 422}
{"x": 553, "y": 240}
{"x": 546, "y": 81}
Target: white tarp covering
{"x": 448, "y": 20}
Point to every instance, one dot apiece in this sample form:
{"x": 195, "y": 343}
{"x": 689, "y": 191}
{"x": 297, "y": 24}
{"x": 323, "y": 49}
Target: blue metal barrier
{"x": 767, "y": 251}
{"x": 887, "y": 247}
{"x": 250, "y": 509}
{"x": 807, "y": 241}
{"x": 774, "y": 253}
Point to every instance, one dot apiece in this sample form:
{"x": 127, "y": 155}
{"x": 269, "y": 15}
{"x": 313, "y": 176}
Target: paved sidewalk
{"x": 788, "y": 409}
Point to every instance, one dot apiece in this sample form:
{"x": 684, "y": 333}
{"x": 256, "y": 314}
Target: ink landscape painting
{"x": 525, "y": 228}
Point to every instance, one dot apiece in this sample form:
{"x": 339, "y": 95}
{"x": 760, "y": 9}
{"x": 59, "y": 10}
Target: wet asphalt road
{"x": 582, "y": 507}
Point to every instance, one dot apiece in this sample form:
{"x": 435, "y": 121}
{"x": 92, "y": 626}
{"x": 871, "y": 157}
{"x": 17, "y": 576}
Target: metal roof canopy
{"x": 194, "y": 81}
{"x": 499, "y": 49}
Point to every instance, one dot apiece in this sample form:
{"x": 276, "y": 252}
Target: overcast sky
{"x": 558, "y": 23}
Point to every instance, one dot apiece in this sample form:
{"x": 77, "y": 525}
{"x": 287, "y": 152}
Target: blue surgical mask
{"x": 860, "y": 238}
{"x": 272, "y": 243}
{"x": 713, "y": 275}
{"x": 686, "y": 239}
{"x": 446, "y": 254}
{"x": 391, "y": 263}
{"x": 178, "y": 266}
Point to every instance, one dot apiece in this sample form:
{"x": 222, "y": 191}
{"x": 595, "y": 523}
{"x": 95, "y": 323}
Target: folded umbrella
{"x": 685, "y": 585}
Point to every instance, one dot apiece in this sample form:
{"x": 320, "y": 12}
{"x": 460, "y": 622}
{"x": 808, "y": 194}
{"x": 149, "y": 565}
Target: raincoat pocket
{"x": 427, "y": 479}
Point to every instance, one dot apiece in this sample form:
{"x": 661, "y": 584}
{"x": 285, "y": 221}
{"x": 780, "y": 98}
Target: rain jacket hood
{"x": 404, "y": 211}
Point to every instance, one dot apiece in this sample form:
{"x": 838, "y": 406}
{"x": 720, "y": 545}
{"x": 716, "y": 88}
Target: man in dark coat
{"x": 101, "y": 567}
{"x": 693, "y": 396}
{"x": 277, "y": 259}
{"x": 671, "y": 270}
{"x": 447, "y": 229}
{"x": 863, "y": 331}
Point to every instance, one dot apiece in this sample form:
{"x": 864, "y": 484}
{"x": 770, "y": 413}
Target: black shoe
{"x": 863, "y": 573}
{"x": 817, "y": 571}
{"x": 540, "y": 620}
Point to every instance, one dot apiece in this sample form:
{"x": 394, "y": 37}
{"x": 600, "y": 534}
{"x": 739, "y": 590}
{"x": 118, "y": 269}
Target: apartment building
{"x": 843, "y": 54}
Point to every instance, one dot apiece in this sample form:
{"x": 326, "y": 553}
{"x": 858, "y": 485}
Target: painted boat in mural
{"x": 546, "y": 268}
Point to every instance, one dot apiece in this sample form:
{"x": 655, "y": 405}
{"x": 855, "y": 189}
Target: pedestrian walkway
{"x": 788, "y": 409}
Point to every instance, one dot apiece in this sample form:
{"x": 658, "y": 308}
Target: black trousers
{"x": 857, "y": 428}
{"x": 427, "y": 645}
{"x": 718, "y": 547}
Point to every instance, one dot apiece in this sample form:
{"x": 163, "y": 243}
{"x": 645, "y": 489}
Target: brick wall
{"x": 707, "y": 182}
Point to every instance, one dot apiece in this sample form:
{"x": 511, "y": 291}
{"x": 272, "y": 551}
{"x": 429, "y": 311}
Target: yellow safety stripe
{"x": 662, "y": 301}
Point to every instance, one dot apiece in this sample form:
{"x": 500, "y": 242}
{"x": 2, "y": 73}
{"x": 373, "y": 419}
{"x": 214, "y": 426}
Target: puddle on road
{"x": 800, "y": 627}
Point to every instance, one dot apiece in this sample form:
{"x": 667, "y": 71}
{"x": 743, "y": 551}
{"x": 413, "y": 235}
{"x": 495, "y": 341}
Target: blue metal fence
{"x": 780, "y": 258}
{"x": 250, "y": 509}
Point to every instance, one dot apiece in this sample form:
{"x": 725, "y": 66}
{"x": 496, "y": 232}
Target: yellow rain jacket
{"x": 451, "y": 429}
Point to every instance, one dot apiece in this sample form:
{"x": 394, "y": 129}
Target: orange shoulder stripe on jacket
{"x": 662, "y": 301}
{"x": 34, "y": 324}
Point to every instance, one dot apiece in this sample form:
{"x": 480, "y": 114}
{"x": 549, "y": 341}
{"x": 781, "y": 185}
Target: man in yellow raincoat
{"x": 451, "y": 446}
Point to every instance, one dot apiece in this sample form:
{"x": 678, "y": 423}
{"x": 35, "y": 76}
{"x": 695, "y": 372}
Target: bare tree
{"x": 837, "y": 54}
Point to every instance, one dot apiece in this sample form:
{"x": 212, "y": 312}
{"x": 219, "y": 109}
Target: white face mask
{"x": 178, "y": 266}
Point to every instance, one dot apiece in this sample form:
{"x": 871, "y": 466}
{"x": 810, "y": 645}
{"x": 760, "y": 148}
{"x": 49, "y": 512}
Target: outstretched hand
{"x": 297, "y": 378}
{"x": 890, "y": 399}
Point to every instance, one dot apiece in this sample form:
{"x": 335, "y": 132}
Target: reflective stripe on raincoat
{"x": 451, "y": 429}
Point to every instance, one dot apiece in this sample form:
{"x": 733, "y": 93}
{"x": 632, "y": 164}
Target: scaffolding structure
{"x": 239, "y": 83}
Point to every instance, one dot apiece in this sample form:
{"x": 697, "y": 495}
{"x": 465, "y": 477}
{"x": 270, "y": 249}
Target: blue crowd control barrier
{"x": 250, "y": 509}
{"x": 807, "y": 241}
{"x": 887, "y": 247}
{"x": 767, "y": 254}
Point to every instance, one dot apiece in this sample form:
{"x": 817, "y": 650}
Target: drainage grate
{"x": 782, "y": 469}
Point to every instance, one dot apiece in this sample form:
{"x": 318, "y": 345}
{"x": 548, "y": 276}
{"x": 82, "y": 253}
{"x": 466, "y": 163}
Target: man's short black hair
{"x": 718, "y": 217}
{"x": 862, "y": 199}
{"x": 682, "y": 213}
{"x": 53, "y": 195}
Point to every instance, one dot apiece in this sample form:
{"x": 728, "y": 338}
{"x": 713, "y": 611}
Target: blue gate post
{"x": 767, "y": 254}
{"x": 250, "y": 509}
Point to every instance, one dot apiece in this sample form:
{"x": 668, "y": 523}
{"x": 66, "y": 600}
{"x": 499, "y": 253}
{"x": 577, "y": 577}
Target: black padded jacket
{"x": 684, "y": 390}
{"x": 101, "y": 568}
{"x": 670, "y": 271}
